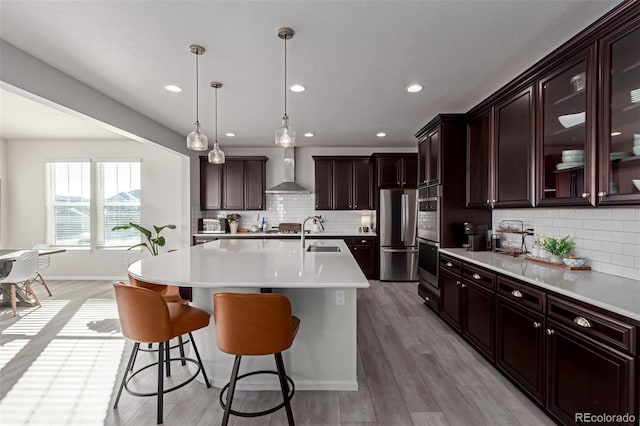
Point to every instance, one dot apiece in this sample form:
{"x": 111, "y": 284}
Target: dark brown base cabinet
{"x": 365, "y": 251}
{"x": 571, "y": 358}
{"x": 586, "y": 376}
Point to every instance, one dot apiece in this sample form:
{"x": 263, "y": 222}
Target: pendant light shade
{"x": 285, "y": 135}
{"x": 197, "y": 140}
{"x": 216, "y": 156}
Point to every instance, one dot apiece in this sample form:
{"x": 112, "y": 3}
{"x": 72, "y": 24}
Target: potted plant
{"x": 153, "y": 243}
{"x": 233, "y": 219}
{"x": 558, "y": 248}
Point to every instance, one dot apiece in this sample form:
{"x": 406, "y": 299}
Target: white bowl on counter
{"x": 571, "y": 120}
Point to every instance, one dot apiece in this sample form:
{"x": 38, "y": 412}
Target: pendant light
{"x": 216, "y": 156}
{"x": 285, "y": 135}
{"x": 197, "y": 140}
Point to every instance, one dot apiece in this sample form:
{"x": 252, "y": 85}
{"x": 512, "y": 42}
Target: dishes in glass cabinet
{"x": 636, "y": 183}
{"x": 619, "y": 155}
{"x": 564, "y": 166}
{"x": 571, "y": 120}
{"x": 635, "y": 96}
{"x": 573, "y": 155}
{"x": 636, "y": 149}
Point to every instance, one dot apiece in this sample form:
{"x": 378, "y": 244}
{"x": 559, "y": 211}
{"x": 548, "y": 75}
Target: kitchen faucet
{"x": 318, "y": 218}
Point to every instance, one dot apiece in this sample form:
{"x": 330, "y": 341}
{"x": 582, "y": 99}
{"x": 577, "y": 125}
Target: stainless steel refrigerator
{"x": 397, "y": 230}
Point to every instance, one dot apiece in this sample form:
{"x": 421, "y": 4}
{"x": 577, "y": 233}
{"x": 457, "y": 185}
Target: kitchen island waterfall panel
{"x": 323, "y": 355}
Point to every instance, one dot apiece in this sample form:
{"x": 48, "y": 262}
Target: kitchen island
{"x": 320, "y": 285}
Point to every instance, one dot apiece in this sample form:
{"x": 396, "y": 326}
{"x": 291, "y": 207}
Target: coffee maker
{"x": 477, "y": 237}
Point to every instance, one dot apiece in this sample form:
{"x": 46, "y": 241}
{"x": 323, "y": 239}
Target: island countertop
{"x": 254, "y": 263}
{"x": 616, "y": 294}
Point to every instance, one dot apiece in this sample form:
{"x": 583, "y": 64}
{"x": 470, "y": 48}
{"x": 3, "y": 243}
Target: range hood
{"x": 289, "y": 186}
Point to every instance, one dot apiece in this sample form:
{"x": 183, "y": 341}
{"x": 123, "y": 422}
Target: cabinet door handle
{"x": 516, "y": 293}
{"x": 582, "y": 322}
{"x": 463, "y": 285}
{"x": 493, "y": 201}
{"x": 356, "y": 206}
{"x": 458, "y": 283}
{"x": 397, "y": 182}
{"x": 449, "y": 264}
{"x": 536, "y": 324}
{"x": 488, "y": 201}
{"x": 349, "y": 205}
{"x": 427, "y": 298}
{"x": 363, "y": 241}
{"x": 550, "y": 332}
{"x": 586, "y": 194}
{"x": 602, "y": 194}
{"x": 316, "y": 206}
{"x": 476, "y": 276}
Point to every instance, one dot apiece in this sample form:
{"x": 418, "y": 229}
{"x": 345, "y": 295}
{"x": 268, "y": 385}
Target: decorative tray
{"x": 556, "y": 265}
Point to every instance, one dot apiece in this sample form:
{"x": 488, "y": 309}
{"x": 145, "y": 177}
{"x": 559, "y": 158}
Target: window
{"x": 118, "y": 199}
{"x": 68, "y": 204}
{"x": 78, "y": 218}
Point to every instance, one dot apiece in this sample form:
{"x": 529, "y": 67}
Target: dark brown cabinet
{"x": 423, "y": 149}
{"x": 210, "y": 185}
{"x": 479, "y": 160}
{"x": 478, "y": 317}
{"x": 343, "y": 183}
{"x": 397, "y": 170}
{"x": 619, "y": 172}
{"x": 365, "y": 252}
{"x": 429, "y": 157}
{"x": 238, "y": 184}
{"x": 450, "y": 299}
{"x": 586, "y": 376}
{"x": 513, "y": 150}
{"x": 520, "y": 349}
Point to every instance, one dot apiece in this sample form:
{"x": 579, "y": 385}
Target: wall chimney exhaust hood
{"x": 288, "y": 186}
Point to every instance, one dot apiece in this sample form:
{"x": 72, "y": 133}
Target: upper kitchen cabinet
{"x": 396, "y": 170}
{"x": 429, "y": 157}
{"x": 479, "y": 130}
{"x": 343, "y": 183}
{"x": 619, "y": 177}
{"x": 238, "y": 184}
{"x": 566, "y": 133}
{"x": 513, "y": 150}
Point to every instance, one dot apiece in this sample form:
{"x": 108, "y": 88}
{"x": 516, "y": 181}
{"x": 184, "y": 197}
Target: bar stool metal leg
{"x": 232, "y": 389}
{"x": 167, "y": 357}
{"x": 195, "y": 349}
{"x": 284, "y": 386}
{"x": 181, "y": 345}
{"x": 160, "y": 380}
{"x": 132, "y": 358}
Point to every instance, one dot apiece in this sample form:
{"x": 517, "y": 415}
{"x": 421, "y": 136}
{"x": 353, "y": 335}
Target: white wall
{"x": 3, "y": 193}
{"x": 609, "y": 238}
{"x": 163, "y": 196}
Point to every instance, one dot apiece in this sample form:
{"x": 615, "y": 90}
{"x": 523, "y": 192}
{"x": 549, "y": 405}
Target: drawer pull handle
{"x": 427, "y": 298}
{"x": 582, "y": 322}
{"x": 363, "y": 241}
{"x": 449, "y": 264}
{"x": 458, "y": 283}
{"x": 516, "y": 293}
{"x": 464, "y": 285}
{"x": 550, "y": 332}
{"x": 536, "y": 324}
{"x": 476, "y": 276}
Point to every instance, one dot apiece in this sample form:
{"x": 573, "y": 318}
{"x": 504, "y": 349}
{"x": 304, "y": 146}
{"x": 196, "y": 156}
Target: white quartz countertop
{"x": 262, "y": 263}
{"x": 616, "y": 294}
{"x": 324, "y": 234}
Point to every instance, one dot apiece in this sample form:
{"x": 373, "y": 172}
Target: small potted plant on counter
{"x": 233, "y": 219}
{"x": 558, "y": 248}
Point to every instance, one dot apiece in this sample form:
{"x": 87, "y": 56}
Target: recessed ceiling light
{"x": 173, "y": 88}
{"x": 616, "y": 133}
{"x": 297, "y": 88}
{"x": 308, "y": 135}
{"x": 230, "y": 134}
{"x": 414, "y": 88}
{"x": 381, "y": 134}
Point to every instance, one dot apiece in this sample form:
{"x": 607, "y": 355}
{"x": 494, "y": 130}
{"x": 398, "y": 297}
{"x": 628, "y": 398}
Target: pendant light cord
{"x": 197, "y": 97}
{"x": 285, "y": 76}
{"x": 216, "y": 115}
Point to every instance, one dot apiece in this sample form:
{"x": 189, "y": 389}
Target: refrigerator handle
{"x": 405, "y": 218}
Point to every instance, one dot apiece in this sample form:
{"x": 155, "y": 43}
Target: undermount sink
{"x": 324, "y": 248}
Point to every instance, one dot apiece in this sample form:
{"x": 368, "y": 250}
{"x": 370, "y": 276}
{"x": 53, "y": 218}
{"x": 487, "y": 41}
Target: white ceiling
{"x": 355, "y": 57}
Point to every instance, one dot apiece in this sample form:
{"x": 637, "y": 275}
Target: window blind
{"x": 118, "y": 202}
{"x": 69, "y": 203}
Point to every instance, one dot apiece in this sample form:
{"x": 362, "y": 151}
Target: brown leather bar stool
{"x": 254, "y": 324}
{"x": 146, "y": 318}
{"x": 170, "y": 294}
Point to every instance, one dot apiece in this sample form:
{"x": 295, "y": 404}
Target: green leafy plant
{"x": 153, "y": 243}
{"x": 559, "y": 246}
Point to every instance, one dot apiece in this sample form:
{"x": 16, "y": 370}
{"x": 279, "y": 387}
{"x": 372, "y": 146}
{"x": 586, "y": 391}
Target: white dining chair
{"x": 43, "y": 263}
{"x": 23, "y": 270}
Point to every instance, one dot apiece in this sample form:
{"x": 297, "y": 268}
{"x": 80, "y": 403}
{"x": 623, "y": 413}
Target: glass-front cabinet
{"x": 619, "y": 177}
{"x": 566, "y": 133}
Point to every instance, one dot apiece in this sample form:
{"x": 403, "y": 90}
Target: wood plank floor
{"x": 61, "y": 364}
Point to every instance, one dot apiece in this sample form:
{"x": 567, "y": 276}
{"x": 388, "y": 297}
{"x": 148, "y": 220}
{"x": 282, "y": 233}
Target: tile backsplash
{"x": 609, "y": 238}
{"x": 295, "y": 208}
